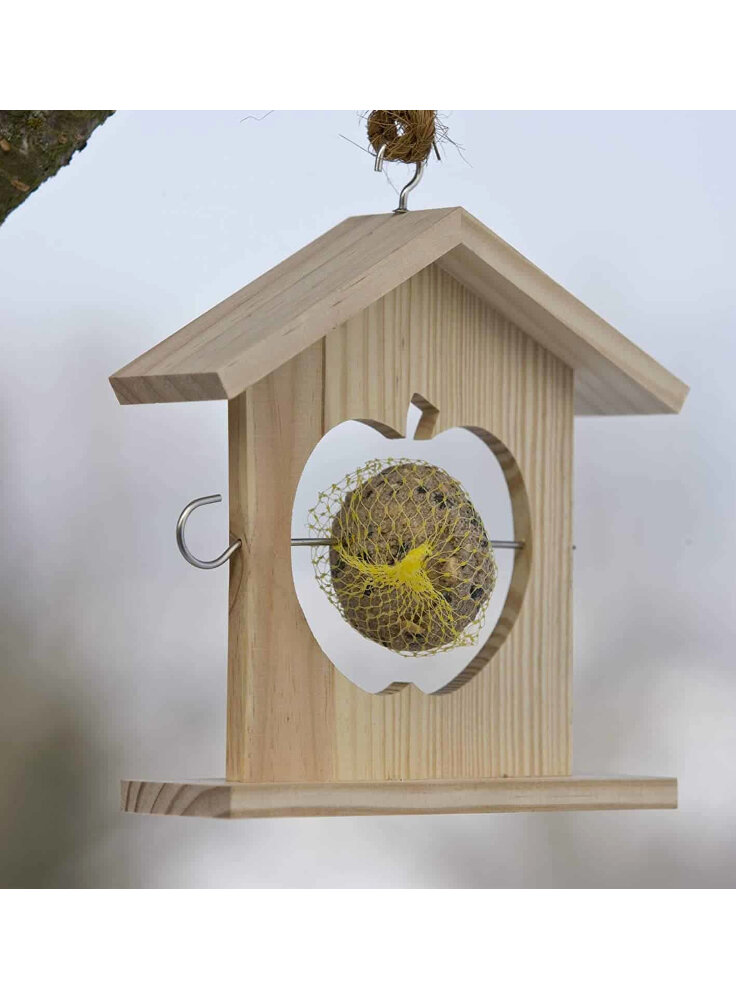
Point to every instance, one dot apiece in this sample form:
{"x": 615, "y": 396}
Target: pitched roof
{"x": 272, "y": 319}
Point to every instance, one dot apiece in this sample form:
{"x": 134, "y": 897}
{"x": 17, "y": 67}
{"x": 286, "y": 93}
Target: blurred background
{"x": 114, "y": 650}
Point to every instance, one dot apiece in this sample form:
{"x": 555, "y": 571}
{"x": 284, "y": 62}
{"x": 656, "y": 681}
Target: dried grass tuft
{"x": 408, "y": 136}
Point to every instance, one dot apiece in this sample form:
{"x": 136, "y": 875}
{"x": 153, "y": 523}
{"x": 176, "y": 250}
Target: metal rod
{"x": 296, "y": 542}
{"x": 183, "y": 517}
{"x": 495, "y": 542}
{"x": 402, "y": 209}
{"x": 405, "y": 191}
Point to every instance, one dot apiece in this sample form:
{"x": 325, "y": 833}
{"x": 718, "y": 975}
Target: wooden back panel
{"x": 291, "y": 715}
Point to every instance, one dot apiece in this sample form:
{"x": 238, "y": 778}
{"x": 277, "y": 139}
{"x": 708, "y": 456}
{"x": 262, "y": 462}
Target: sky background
{"x": 114, "y": 650}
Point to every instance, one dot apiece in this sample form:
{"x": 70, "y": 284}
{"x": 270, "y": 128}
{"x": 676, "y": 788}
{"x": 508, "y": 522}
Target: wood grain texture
{"x": 280, "y": 688}
{"x": 523, "y": 532}
{"x": 291, "y": 715}
{"x": 292, "y": 306}
{"x": 612, "y": 374}
{"x": 238, "y": 800}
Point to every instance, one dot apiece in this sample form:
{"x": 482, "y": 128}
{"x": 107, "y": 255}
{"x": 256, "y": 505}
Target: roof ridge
{"x": 283, "y": 311}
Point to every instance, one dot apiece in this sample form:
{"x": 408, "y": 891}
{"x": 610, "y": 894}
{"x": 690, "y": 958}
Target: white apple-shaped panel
{"x": 470, "y": 460}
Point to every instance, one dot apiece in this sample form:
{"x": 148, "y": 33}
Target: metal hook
{"x": 409, "y": 187}
{"x": 378, "y": 165}
{"x": 183, "y": 517}
{"x": 405, "y": 191}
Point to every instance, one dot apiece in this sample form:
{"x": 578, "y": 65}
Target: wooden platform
{"x": 238, "y": 800}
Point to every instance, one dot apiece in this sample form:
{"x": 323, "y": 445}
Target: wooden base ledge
{"x": 219, "y": 799}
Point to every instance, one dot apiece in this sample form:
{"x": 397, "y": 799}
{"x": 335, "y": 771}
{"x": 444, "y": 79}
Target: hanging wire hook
{"x": 409, "y": 187}
{"x": 378, "y": 165}
{"x": 405, "y": 191}
{"x": 183, "y": 518}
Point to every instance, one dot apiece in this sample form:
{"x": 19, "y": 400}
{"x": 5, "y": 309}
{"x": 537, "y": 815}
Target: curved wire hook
{"x": 409, "y": 187}
{"x": 405, "y": 191}
{"x": 378, "y": 165}
{"x": 183, "y": 518}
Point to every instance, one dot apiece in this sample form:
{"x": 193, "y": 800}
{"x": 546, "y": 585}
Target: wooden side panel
{"x": 280, "y": 717}
{"x": 292, "y": 716}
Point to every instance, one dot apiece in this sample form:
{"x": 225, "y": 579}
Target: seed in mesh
{"x": 411, "y": 566}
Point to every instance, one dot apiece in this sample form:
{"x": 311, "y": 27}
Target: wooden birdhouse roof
{"x": 275, "y": 317}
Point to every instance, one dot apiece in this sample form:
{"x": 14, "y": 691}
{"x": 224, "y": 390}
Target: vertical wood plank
{"x": 280, "y": 718}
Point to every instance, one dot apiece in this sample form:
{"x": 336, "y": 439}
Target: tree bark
{"x": 35, "y": 144}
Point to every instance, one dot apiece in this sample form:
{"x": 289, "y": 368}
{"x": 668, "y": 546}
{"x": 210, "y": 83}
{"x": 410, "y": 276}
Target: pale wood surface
{"x": 239, "y": 800}
{"x": 280, "y": 717}
{"x": 292, "y": 306}
{"x": 291, "y": 715}
{"x": 287, "y": 309}
{"x": 612, "y": 374}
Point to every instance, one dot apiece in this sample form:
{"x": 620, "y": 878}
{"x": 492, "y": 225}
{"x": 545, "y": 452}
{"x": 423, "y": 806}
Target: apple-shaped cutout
{"x": 489, "y": 475}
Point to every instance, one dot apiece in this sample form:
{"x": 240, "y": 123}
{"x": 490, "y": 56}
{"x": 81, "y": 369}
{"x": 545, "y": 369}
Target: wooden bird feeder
{"x": 430, "y": 305}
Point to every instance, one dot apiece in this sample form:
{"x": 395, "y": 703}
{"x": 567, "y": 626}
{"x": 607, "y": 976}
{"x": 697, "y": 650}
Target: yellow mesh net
{"x": 411, "y": 566}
